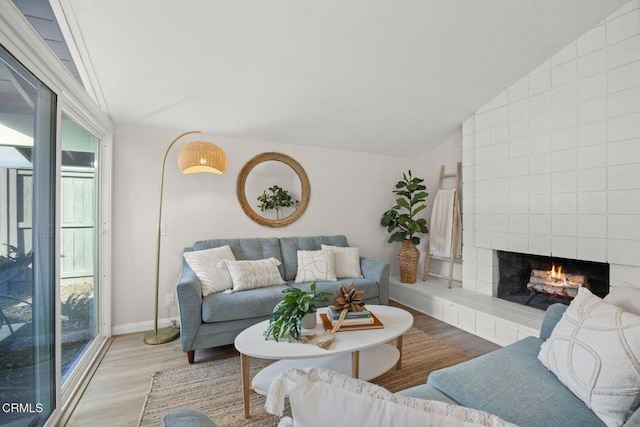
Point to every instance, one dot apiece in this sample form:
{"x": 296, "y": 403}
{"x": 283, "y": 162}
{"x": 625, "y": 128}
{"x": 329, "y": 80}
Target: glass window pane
{"x": 27, "y": 237}
{"x": 78, "y": 242}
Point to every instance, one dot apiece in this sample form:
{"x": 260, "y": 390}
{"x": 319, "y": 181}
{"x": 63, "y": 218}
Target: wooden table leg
{"x": 246, "y": 388}
{"x": 355, "y": 364}
{"x": 399, "y": 346}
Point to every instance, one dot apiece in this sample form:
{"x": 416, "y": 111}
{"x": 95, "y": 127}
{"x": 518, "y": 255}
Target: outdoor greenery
{"x": 401, "y": 220}
{"x": 15, "y": 257}
{"x": 76, "y": 310}
{"x": 287, "y": 314}
{"x": 276, "y": 197}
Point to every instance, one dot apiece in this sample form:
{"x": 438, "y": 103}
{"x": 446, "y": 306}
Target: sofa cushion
{"x": 425, "y": 392}
{"x": 209, "y": 266}
{"x": 347, "y": 261}
{"x": 316, "y": 265}
{"x": 514, "y": 385}
{"x": 290, "y": 246}
{"x": 247, "y": 249}
{"x": 370, "y": 287}
{"x": 626, "y": 296}
{"x": 252, "y": 274}
{"x": 221, "y": 307}
{"x": 595, "y": 351}
{"x": 551, "y": 318}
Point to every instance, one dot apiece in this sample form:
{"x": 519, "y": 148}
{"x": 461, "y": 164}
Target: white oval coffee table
{"x": 363, "y": 354}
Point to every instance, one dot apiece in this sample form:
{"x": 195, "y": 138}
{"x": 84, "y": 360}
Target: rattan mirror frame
{"x": 242, "y": 197}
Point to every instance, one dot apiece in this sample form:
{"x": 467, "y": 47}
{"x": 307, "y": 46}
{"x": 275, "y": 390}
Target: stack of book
{"x": 354, "y": 321}
{"x": 353, "y": 317}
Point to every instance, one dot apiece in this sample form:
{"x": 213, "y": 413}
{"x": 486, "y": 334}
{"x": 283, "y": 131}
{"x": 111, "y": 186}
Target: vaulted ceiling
{"x": 393, "y": 77}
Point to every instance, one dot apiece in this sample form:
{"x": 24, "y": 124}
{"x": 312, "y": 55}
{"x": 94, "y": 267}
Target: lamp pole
{"x": 162, "y": 335}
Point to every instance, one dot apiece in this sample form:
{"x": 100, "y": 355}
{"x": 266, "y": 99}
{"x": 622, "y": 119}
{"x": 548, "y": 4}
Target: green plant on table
{"x": 287, "y": 314}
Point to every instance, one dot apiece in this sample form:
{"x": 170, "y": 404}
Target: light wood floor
{"x": 118, "y": 389}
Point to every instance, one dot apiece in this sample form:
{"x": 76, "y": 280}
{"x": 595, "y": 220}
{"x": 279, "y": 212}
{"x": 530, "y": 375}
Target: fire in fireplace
{"x": 554, "y": 283}
{"x": 540, "y": 281}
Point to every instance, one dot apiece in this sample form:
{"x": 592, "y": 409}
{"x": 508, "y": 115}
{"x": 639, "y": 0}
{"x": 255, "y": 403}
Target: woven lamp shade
{"x": 199, "y": 156}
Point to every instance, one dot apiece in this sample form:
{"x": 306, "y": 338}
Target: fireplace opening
{"x": 539, "y": 281}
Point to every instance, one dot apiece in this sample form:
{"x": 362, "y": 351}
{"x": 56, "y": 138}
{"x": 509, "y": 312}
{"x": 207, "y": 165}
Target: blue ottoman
{"x": 187, "y": 418}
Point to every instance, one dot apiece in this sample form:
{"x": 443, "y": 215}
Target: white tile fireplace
{"x": 551, "y": 166}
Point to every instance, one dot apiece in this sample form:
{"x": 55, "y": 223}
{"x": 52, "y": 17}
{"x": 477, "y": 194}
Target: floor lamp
{"x": 194, "y": 157}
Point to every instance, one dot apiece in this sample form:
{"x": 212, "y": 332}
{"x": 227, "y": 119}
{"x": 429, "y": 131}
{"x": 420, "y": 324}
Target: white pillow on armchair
{"x": 594, "y": 350}
{"x": 323, "y": 397}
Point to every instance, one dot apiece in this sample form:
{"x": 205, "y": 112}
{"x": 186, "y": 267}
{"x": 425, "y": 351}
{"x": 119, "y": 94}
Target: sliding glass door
{"x": 27, "y": 246}
{"x": 55, "y": 198}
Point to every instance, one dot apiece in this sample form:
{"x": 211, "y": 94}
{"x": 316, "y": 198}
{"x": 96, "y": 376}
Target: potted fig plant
{"x": 403, "y": 223}
{"x": 287, "y": 316}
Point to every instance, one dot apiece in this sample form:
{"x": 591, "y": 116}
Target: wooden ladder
{"x": 454, "y": 229}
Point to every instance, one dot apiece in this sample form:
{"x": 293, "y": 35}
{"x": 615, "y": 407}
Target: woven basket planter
{"x": 409, "y": 255}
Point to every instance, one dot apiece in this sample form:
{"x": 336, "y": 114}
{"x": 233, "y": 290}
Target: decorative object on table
{"x": 287, "y": 314}
{"x": 276, "y": 199}
{"x": 251, "y": 182}
{"x": 353, "y": 320}
{"x": 402, "y": 221}
{"x": 309, "y": 321}
{"x": 353, "y": 317}
{"x": 194, "y": 157}
{"x": 346, "y": 300}
{"x": 374, "y": 323}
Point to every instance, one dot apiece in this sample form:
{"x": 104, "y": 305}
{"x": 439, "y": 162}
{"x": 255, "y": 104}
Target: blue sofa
{"x": 513, "y": 384}
{"x": 218, "y": 318}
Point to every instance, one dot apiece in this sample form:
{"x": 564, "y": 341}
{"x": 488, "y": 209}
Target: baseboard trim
{"x": 130, "y": 328}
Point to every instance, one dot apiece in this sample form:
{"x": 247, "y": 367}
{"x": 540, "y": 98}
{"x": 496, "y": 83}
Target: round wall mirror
{"x": 273, "y": 189}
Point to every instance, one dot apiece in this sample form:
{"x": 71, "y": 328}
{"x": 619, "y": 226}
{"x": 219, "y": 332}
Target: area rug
{"x": 215, "y": 388}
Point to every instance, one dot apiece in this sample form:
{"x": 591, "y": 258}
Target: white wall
{"x": 349, "y": 193}
{"x": 447, "y": 153}
{"x": 551, "y": 166}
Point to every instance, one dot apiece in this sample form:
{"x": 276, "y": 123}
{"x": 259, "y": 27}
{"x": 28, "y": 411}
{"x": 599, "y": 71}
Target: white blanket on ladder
{"x": 440, "y": 243}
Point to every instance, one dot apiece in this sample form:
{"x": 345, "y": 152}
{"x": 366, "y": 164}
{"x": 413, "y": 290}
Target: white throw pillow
{"x": 321, "y": 397}
{"x": 316, "y": 265}
{"x": 209, "y": 266}
{"x": 626, "y": 296}
{"x": 347, "y": 261}
{"x": 594, "y": 350}
{"x": 254, "y": 274}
